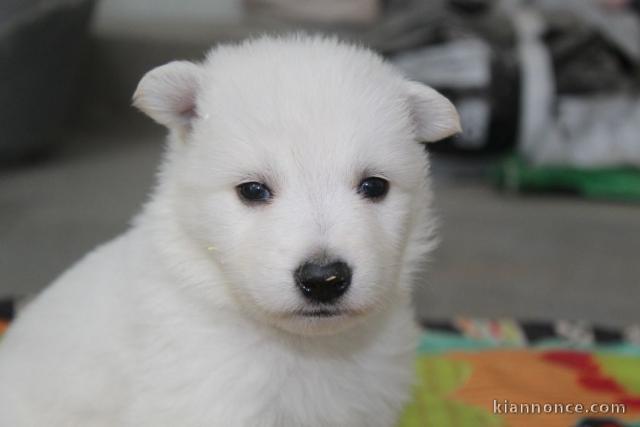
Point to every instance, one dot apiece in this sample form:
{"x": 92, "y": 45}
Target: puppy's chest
{"x": 258, "y": 383}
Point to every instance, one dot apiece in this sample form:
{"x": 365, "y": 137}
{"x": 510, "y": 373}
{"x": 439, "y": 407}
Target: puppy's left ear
{"x": 434, "y": 116}
{"x": 167, "y": 94}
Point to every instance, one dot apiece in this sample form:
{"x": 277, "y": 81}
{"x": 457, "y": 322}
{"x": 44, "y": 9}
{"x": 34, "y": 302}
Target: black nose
{"x": 323, "y": 283}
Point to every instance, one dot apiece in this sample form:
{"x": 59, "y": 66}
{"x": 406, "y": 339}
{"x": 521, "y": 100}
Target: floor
{"x": 501, "y": 255}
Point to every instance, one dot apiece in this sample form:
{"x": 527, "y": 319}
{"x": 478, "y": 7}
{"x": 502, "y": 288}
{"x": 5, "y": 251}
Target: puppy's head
{"x": 296, "y": 165}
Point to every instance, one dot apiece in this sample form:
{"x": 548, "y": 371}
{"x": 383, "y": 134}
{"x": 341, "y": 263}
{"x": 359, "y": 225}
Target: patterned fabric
{"x": 512, "y": 332}
{"x": 486, "y": 373}
{"x": 470, "y": 373}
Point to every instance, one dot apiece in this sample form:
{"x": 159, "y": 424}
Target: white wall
{"x": 183, "y": 20}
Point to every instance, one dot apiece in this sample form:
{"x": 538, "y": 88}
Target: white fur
{"x": 187, "y": 318}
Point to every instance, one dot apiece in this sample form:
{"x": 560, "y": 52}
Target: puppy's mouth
{"x": 325, "y": 312}
{"x": 320, "y": 320}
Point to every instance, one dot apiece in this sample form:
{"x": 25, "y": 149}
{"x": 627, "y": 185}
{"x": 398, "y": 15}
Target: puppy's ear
{"x": 434, "y": 115}
{"x": 167, "y": 94}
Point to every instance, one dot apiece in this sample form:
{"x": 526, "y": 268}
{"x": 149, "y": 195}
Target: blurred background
{"x": 539, "y": 199}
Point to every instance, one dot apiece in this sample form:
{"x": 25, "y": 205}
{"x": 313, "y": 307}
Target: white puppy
{"x": 267, "y": 280}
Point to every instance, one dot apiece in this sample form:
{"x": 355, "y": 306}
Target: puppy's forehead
{"x": 310, "y": 84}
{"x": 324, "y": 106}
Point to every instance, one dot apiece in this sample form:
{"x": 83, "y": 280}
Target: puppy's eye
{"x": 373, "y": 188}
{"x": 254, "y": 192}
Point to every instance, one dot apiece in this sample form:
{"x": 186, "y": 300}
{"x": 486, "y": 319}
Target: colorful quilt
{"x": 483, "y": 373}
{"x": 503, "y": 373}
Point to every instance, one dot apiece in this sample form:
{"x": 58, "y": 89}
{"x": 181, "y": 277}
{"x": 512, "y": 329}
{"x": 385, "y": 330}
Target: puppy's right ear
{"x": 167, "y": 94}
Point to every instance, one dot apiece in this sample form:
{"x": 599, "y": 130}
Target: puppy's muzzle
{"x": 323, "y": 283}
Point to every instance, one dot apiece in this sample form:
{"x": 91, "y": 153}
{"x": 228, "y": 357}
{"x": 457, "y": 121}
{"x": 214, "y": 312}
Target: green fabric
{"x": 621, "y": 183}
